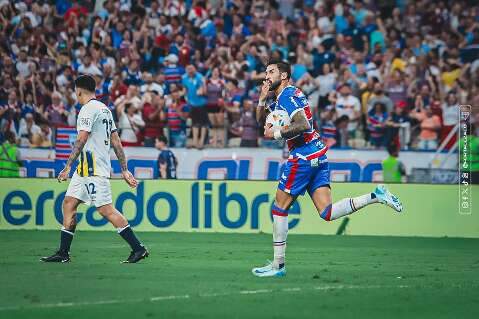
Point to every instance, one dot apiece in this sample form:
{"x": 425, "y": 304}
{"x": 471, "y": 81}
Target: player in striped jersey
{"x": 90, "y": 183}
{"x": 307, "y": 168}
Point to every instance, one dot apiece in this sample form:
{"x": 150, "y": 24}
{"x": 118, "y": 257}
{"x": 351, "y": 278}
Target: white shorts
{"x": 93, "y": 190}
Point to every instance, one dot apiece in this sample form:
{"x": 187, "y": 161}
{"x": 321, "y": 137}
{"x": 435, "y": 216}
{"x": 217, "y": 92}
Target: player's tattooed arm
{"x": 299, "y": 124}
{"x": 118, "y": 148}
{"x": 77, "y": 147}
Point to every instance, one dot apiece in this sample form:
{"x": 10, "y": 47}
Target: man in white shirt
{"x": 349, "y": 105}
{"x": 88, "y": 67}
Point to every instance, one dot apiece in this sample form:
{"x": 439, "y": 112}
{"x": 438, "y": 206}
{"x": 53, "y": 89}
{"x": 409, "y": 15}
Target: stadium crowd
{"x": 375, "y": 72}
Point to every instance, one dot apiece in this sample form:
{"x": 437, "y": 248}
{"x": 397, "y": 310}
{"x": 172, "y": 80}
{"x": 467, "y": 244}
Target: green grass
{"x": 196, "y": 275}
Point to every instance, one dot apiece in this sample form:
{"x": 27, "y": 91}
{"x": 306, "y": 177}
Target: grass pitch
{"x": 197, "y": 275}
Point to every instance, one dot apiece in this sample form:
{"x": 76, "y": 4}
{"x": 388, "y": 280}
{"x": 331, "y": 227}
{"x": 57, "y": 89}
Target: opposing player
{"x": 90, "y": 183}
{"x": 307, "y": 168}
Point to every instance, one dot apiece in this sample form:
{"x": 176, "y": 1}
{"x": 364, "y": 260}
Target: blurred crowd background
{"x": 376, "y": 72}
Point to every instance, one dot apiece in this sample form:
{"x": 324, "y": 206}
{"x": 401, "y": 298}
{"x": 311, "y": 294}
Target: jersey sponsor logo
{"x": 84, "y": 121}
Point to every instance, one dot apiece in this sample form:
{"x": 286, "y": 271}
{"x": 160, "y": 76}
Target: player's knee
{"x": 326, "y": 213}
{"x": 69, "y": 205}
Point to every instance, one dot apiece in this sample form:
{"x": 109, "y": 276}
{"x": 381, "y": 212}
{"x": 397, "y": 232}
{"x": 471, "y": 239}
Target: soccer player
{"x": 307, "y": 167}
{"x": 90, "y": 183}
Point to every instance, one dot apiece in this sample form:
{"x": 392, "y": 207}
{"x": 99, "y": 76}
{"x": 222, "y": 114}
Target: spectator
{"x": 130, "y": 124}
{"x": 45, "y": 138}
{"x": 398, "y": 130}
{"x": 56, "y": 112}
{"x": 380, "y": 97}
{"x": 29, "y": 131}
{"x": 176, "y": 114}
{"x": 450, "y": 117}
{"x": 328, "y": 128}
{"x": 430, "y": 125}
{"x": 88, "y": 67}
{"x": 377, "y": 118}
{"x": 214, "y": 88}
{"x": 342, "y": 132}
{"x": 248, "y": 126}
{"x": 347, "y": 104}
{"x": 172, "y": 71}
{"x": 193, "y": 83}
{"x": 167, "y": 161}
{"x": 153, "y": 116}
{"x": 10, "y": 114}
{"x": 151, "y": 86}
{"x": 23, "y": 66}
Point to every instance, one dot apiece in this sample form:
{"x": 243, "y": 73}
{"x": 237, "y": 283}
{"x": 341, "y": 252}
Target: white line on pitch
{"x": 179, "y": 297}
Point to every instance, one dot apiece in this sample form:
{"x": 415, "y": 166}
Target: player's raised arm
{"x": 80, "y": 142}
{"x": 120, "y": 154}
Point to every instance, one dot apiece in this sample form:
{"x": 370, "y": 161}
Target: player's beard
{"x": 274, "y": 85}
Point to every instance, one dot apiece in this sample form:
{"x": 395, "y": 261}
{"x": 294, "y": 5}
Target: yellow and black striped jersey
{"x": 95, "y": 118}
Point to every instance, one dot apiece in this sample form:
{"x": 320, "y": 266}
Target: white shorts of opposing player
{"x": 92, "y": 190}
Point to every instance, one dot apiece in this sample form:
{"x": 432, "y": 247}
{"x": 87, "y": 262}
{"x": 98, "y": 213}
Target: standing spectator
{"x": 347, "y": 104}
{"x": 172, "y": 71}
{"x": 29, "y": 131}
{"x": 327, "y": 127}
{"x": 56, "y": 112}
{"x": 193, "y": 83}
{"x": 10, "y": 114}
{"x": 376, "y": 124}
{"x": 430, "y": 125}
{"x": 88, "y": 67}
{"x": 176, "y": 115}
{"x": 450, "y": 117}
{"x": 150, "y": 85}
{"x": 214, "y": 88}
{"x": 396, "y": 87}
{"x": 23, "y": 66}
{"x": 380, "y": 97}
{"x": 167, "y": 162}
{"x": 248, "y": 126}
{"x": 130, "y": 124}
{"x": 153, "y": 116}
{"x": 342, "y": 132}
{"x": 398, "y": 131}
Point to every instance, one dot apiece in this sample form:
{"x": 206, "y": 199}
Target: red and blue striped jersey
{"x": 307, "y": 144}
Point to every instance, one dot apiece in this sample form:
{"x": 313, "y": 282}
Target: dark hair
{"x": 86, "y": 82}
{"x": 163, "y": 139}
{"x": 282, "y": 67}
{"x": 392, "y": 148}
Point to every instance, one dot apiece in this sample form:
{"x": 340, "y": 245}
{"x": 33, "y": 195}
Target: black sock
{"x": 373, "y": 196}
{"x": 66, "y": 237}
{"x": 130, "y": 238}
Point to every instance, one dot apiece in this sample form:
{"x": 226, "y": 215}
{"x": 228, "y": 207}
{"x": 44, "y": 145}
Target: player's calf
{"x": 124, "y": 230}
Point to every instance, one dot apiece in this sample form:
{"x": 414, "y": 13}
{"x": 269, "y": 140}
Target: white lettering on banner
{"x": 240, "y": 163}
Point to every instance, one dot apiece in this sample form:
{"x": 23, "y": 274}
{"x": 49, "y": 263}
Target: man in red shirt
{"x": 153, "y": 116}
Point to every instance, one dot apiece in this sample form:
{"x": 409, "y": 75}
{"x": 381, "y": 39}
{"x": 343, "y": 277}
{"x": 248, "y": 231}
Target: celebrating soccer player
{"x": 307, "y": 168}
